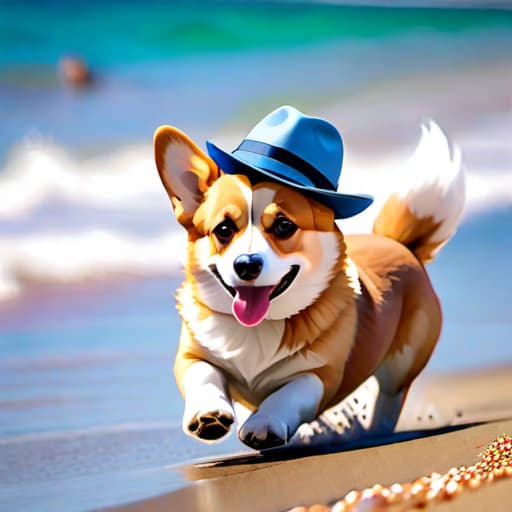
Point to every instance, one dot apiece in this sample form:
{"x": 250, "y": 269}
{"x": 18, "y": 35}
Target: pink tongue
{"x": 251, "y": 304}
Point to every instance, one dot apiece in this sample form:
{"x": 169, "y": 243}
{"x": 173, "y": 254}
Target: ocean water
{"x": 90, "y": 253}
{"x": 201, "y": 65}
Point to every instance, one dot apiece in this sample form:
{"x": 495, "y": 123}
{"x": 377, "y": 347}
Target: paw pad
{"x": 210, "y": 425}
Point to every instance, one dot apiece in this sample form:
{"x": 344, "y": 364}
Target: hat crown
{"x": 312, "y": 139}
{"x": 299, "y": 151}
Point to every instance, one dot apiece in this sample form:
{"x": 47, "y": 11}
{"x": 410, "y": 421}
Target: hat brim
{"x": 343, "y": 205}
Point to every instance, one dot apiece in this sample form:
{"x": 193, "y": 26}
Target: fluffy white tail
{"x": 424, "y": 212}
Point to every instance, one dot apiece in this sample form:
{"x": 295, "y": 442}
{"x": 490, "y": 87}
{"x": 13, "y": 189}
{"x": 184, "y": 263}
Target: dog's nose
{"x": 248, "y": 266}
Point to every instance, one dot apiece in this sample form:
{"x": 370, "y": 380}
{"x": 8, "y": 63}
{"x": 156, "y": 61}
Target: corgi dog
{"x": 281, "y": 311}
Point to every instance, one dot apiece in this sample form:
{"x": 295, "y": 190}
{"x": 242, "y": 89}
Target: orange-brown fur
{"x": 396, "y": 221}
{"x": 394, "y": 286}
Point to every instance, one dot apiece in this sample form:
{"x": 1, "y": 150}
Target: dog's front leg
{"x": 208, "y": 411}
{"x": 280, "y": 414}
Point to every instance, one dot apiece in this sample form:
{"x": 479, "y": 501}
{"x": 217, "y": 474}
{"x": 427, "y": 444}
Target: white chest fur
{"x": 244, "y": 351}
{"x": 256, "y": 355}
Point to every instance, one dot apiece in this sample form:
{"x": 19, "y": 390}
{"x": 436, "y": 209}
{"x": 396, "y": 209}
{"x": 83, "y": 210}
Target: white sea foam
{"x": 95, "y": 254}
{"x": 61, "y": 247}
{"x": 38, "y": 172}
{"x": 132, "y": 231}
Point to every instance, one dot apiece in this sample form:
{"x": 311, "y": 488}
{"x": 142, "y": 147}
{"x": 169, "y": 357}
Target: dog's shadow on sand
{"x": 236, "y": 463}
{"x": 250, "y": 461}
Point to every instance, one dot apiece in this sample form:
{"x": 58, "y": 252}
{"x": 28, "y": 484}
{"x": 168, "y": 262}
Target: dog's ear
{"x": 185, "y": 170}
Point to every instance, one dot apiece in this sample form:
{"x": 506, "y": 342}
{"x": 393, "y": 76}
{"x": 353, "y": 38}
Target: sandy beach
{"x": 283, "y": 478}
{"x": 319, "y": 479}
{"x": 90, "y": 255}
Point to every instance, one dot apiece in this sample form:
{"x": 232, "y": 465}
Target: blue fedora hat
{"x": 302, "y": 152}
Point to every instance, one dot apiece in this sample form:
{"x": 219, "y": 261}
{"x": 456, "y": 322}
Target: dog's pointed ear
{"x": 185, "y": 170}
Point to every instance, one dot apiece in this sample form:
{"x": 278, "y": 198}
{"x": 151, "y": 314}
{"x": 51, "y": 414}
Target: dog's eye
{"x": 225, "y": 231}
{"x": 283, "y": 227}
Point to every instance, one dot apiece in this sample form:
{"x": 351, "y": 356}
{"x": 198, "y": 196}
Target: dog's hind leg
{"x": 411, "y": 349}
{"x": 367, "y": 412}
{"x": 373, "y": 409}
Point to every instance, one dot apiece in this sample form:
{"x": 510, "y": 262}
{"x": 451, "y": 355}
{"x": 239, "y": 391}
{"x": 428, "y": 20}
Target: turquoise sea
{"x": 177, "y": 61}
{"x": 90, "y": 253}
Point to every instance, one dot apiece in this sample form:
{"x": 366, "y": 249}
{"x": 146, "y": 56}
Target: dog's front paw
{"x": 261, "y": 431}
{"x": 210, "y": 425}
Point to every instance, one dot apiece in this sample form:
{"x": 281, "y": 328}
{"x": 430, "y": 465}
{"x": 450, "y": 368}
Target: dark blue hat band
{"x": 287, "y": 158}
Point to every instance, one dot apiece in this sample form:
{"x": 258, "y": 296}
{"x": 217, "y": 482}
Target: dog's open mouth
{"x": 285, "y": 282}
{"x": 251, "y": 303}
{"x": 216, "y": 273}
